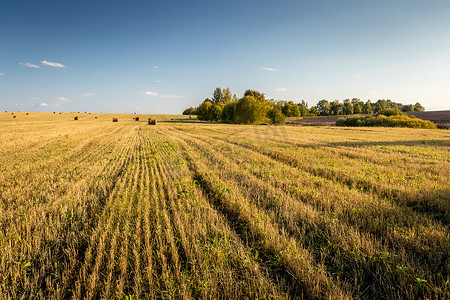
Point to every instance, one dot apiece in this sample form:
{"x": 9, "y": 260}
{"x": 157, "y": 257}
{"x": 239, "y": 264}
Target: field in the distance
{"x": 185, "y": 209}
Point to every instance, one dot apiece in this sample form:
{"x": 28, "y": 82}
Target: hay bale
{"x": 27, "y": 114}
{"x": 136, "y": 119}
{"x": 14, "y": 117}
{"x": 96, "y": 117}
{"x": 151, "y": 121}
{"x": 76, "y": 118}
{"x": 115, "y": 119}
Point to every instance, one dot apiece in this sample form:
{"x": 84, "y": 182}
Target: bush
{"x": 391, "y": 112}
{"x": 386, "y": 121}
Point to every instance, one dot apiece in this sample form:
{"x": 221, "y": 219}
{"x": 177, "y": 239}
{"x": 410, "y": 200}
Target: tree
{"x": 217, "y": 95}
{"x": 290, "y": 109}
{"x": 251, "y": 110}
{"x": 323, "y": 107}
{"x": 418, "y": 107}
{"x": 303, "y": 108}
{"x": 254, "y": 94}
{"x": 229, "y": 112}
{"x": 367, "y": 108}
{"x": 379, "y": 106}
{"x": 408, "y": 108}
{"x": 203, "y": 110}
{"x": 357, "y": 106}
{"x": 190, "y": 111}
{"x": 313, "y": 111}
{"x": 347, "y": 108}
{"x": 336, "y": 107}
{"x": 276, "y": 116}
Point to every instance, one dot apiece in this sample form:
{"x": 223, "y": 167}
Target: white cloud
{"x": 52, "y": 64}
{"x": 34, "y": 98}
{"x": 148, "y": 93}
{"x": 373, "y": 92}
{"x": 29, "y": 65}
{"x": 281, "y": 89}
{"x": 155, "y": 67}
{"x": 2, "y": 74}
{"x": 63, "y": 100}
{"x": 269, "y": 69}
{"x": 43, "y": 104}
{"x": 157, "y": 81}
{"x": 357, "y": 77}
{"x": 87, "y": 94}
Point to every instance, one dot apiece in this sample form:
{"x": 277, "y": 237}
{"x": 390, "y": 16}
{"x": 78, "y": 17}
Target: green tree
{"x": 336, "y": 107}
{"x": 418, "y": 107}
{"x": 313, "y": 111}
{"x": 217, "y": 95}
{"x": 190, "y": 111}
{"x": 303, "y": 108}
{"x": 203, "y": 110}
{"x": 408, "y": 108}
{"x": 215, "y": 112}
{"x": 347, "y": 107}
{"x": 229, "y": 112}
{"x": 251, "y": 110}
{"x": 323, "y": 107}
{"x": 368, "y": 107}
{"x": 276, "y": 115}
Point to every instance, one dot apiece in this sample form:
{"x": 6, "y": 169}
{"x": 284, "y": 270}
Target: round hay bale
{"x": 115, "y": 119}
{"x": 14, "y": 117}
{"x": 136, "y": 119}
{"x": 76, "y": 118}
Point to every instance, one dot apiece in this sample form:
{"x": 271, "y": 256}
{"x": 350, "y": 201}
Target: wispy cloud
{"x": 281, "y": 89}
{"x": 87, "y": 94}
{"x": 34, "y": 98}
{"x": 29, "y": 65}
{"x": 269, "y": 69}
{"x": 357, "y": 77}
{"x": 155, "y": 67}
{"x": 52, "y": 64}
{"x": 148, "y": 93}
{"x": 157, "y": 81}
{"x": 63, "y": 100}
{"x": 2, "y": 74}
{"x": 43, "y": 104}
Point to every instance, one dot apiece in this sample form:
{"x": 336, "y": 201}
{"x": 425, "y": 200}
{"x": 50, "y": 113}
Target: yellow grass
{"x": 186, "y": 209}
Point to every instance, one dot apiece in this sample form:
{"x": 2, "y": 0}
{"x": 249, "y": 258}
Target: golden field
{"x": 92, "y": 209}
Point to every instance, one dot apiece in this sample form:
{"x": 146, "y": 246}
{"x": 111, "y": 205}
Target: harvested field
{"x": 190, "y": 209}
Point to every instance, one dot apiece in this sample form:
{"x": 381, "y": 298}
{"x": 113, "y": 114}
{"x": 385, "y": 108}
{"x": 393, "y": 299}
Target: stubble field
{"x": 95, "y": 209}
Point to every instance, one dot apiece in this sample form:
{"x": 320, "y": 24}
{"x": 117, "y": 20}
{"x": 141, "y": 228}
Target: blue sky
{"x": 164, "y": 56}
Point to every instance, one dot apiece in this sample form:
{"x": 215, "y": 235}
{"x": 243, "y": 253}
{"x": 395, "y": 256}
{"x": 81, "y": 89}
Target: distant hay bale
{"x": 27, "y": 114}
{"x": 152, "y": 121}
{"x": 136, "y": 119}
{"x": 14, "y": 117}
{"x": 96, "y": 117}
{"x": 115, "y": 119}
{"x": 76, "y": 118}
{"x": 54, "y": 112}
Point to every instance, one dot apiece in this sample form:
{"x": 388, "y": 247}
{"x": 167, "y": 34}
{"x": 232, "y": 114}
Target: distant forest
{"x": 253, "y": 108}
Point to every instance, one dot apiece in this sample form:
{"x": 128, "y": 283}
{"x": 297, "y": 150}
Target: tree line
{"x": 253, "y": 108}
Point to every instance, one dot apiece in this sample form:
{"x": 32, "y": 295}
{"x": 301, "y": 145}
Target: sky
{"x": 126, "y": 56}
